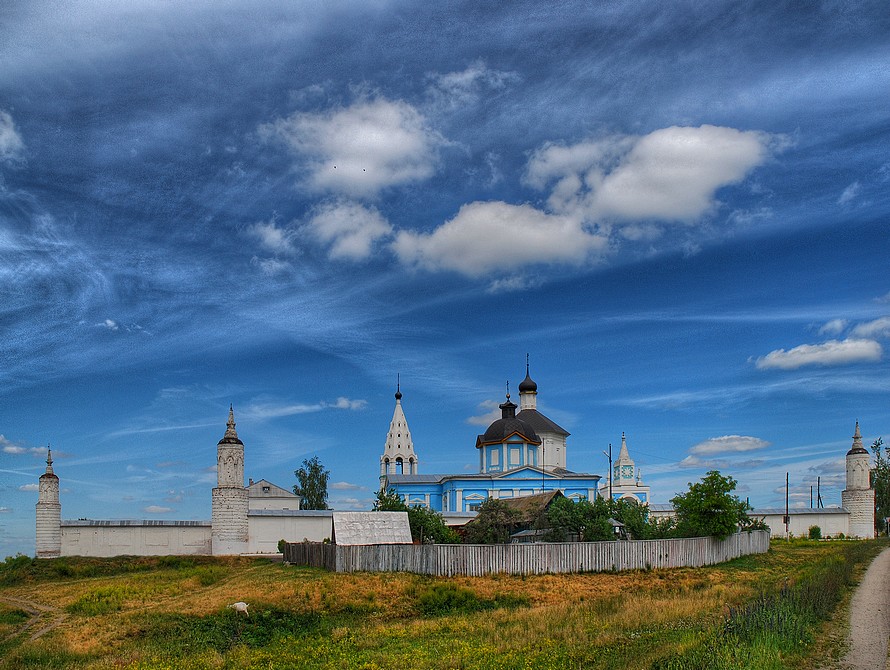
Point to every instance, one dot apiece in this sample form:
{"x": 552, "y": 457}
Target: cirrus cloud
{"x": 728, "y": 444}
{"x": 833, "y": 352}
{"x": 11, "y": 145}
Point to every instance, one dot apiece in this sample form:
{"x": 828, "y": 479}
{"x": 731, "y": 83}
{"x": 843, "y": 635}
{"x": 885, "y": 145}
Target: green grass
{"x": 758, "y": 612}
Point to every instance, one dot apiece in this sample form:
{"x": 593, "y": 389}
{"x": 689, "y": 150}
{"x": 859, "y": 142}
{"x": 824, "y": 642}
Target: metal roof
{"x": 122, "y": 523}
{"x": 762, "y": 511}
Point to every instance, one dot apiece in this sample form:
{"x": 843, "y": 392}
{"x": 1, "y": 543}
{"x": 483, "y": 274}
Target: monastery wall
{"x": 267, "y": 527}
{"x": 135, "y": 538}
{"x": 832, "y": 522}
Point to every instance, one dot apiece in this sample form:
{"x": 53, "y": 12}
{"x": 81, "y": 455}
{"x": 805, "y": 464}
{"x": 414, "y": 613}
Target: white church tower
{"x": 49, "y": 513}
{"x": 398, "y": 453}
{"x": 229, "y": 502}
{"x": 626, "y": 482}
{"x": 859, "y": 498}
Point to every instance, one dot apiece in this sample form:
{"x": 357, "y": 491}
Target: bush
{"x": 815, "y": 533}
{"x": 447, "y": 598}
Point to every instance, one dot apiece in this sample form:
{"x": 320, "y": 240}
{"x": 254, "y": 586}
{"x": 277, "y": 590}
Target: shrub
{"x": 815, "y": 533}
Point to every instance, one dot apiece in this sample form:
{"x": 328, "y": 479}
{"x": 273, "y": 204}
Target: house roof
{"x": 256, "y": 490}
{"x": 529, "y": 508}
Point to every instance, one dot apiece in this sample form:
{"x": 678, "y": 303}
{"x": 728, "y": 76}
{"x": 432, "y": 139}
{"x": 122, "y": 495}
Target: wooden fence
{"x": 445, "y": 560}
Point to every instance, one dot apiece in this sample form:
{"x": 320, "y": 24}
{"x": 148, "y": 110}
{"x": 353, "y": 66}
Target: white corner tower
{"x": 859, "y": 498}
{"x": 49, "y": 513}
{"x": 398, "y": 453}
{"x": 229, "y": 499}
{"x": 626, "y": 480}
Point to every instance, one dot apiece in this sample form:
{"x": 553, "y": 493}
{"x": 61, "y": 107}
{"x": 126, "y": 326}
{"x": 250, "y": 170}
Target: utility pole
{"x": 609, "y": 456}
{"x": 787, "y": 515}
{"x": 819, "y": 492}
{"x": 811, "y": 496}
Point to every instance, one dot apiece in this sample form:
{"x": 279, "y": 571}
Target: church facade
{"x": 520, "y": 454}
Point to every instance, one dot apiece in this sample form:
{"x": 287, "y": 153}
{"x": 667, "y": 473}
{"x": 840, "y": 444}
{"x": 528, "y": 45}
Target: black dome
{"x": 502, "y": 428}
{"x": 527, "y": 385}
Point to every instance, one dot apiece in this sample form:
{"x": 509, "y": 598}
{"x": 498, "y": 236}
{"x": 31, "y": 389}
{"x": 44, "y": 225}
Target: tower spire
{"x": 398, "y": 386}
{"x": 49, "y": 460}
{"x": 230, "y": 424}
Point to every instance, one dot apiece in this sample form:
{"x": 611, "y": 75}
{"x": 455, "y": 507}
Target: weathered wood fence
{"x": 445, "y": 560}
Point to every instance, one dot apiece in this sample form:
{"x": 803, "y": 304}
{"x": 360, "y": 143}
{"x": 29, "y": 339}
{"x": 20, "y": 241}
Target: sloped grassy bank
{"x": 763, "y": 611}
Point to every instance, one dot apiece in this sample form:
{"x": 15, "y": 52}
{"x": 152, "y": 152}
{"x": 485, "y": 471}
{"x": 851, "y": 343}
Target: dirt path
{"x": 43, "y": 617}
{"x": 870, "y": 618}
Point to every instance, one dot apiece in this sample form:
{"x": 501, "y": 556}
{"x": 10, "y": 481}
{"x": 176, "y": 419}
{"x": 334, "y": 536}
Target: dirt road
{"x": 870, "y": 618}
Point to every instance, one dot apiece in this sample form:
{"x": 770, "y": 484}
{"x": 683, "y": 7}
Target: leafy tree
{"x": 589, "y": 521}
{"x": 709, "y": 508}
{"x": 880, "y": 481}
{"x": 426, "y": 525}
{"x": 312, "y": 484}
{"x": 493, "y": 524}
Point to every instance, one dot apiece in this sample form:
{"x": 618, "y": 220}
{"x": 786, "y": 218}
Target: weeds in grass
{"x": 101, "y": 601}
{"x": 447, "y": 598}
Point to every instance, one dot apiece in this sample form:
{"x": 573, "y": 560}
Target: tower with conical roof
{"x": 398, "y": 452}
{"x": 229, "y": 502}
{"x": 49, "y": 513}
{"x": 626, "y": 481}
{"x": 553, "y": 436}
{"x": 859, "y": 498}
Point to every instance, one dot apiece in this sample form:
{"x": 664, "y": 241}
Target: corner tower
{"x": 229, "y": 498}
{"x": 49, "y": 513}
{"x": 398, "y": 452}
{"x": 859, "y": 497}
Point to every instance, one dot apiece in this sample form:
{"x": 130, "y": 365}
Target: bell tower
{"x": 229, "y": 504}
{"x": 49, "y": 513}
{"x": 398, "y": 452}
{"x": 859, "y": 498}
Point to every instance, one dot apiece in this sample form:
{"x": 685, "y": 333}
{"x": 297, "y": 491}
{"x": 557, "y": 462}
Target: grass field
{"x": 767, "y": 611}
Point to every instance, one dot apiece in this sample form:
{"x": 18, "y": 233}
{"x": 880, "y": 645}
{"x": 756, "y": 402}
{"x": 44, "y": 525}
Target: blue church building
{"x": 520, "y": 454}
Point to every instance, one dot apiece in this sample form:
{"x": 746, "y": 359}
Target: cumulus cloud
{"x": 8, "y": 447}
{"x": 833, "y": 352}
{"x": 850, "y": 193}
{"x": 29, "y": 487}
{"x": 348, "y": 229}
{"x": 6, "y": 510}
{"x": 833, "y": 327}
{"x": 871, "y": 329}
{"x": 489, "y": 237}
{"x": 728, "y": 444}
{"x": 464, "y": 88}
{"x": 359, "y": 150}
{"x": 671, "y": 174}
{"x": 11, "y": 145}
{"x": 346, "y": 486}
{"x": 491, "y": 412}
{"x": 693, "y": 461}
{"x": 156, "y": 509}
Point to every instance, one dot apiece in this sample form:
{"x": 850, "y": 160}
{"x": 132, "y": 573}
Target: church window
{"x": 515, "y": 457}
{"x": 399, "y": 466}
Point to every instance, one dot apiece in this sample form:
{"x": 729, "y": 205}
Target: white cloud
{"x": 670, "y": 174}
{"x": 156, "y": 509}
{"x": 833, "y": 327}
{"x": 491, "y": 413}
{"x": 877, "y": 328}
{"x": 883, "y": 298}
{"x": 11, "y": 145}
{"x": 272, "y": 237}
{"x": 850, "y": 193}
{"x": 29, "y": 487}
{"x": 110, "y": 324}
{"x": 360, "y": 150}
{"x": 490, "y": 237}
{"x": 17, "y": 450}
{"x": 346, "y": 486}
{"x": 510, "y": 284}
{"x": 271, "y": 411}
{"x": 270, "y": 266}
{"x": 5, "y": 510}
{"x": 692, "y": 461}
{"x": 460, "y": 89}
{"x": 348, "y": 228}
{"x": 833, "y": 352}
{"x": 728, "y": 444}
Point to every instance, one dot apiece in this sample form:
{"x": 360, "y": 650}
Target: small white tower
{"x": 859, "y": 498}
{"x": 623, "y": 468}
{"x": 229, "y": 499}
{"x": 49, "y": 513}
{"x": 398, "y": 453}
{"x": 627, "y": 482}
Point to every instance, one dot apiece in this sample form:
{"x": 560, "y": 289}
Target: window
{"x": 266, "y": 489}
{"x": 473, "y": 507}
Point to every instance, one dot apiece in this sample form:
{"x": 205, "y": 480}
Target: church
{"x": 520, "y": 454}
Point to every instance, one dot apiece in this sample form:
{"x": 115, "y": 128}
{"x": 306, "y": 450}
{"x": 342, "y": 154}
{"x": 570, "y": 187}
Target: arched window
{"x": 399, "y": 466}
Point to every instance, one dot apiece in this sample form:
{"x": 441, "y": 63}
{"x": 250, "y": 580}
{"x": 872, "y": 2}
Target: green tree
{"x": 426, "y": 525}
{"x": 880, "y": 482}
{"x": 493, "y": 524}
{"x": 709, "y": 508}
{"x": 312, "y": 484}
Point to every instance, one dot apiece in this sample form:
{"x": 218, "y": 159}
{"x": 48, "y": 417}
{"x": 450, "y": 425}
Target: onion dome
{"x": 527, "y": 385}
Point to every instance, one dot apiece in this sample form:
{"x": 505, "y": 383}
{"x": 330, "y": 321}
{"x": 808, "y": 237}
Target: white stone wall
{"x": 129, "y": 538}
{"x": 831, "y": 524}
{"x": 267, "y": 530}
{"x": 861, "y": 504}
{"x": 229, "y": 508}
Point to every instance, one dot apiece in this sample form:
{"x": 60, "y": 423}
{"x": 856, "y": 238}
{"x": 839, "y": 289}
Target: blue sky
{"x": 678, "y": 211}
